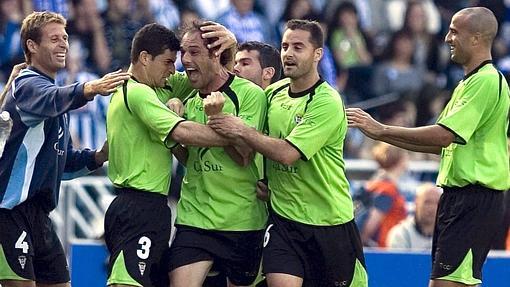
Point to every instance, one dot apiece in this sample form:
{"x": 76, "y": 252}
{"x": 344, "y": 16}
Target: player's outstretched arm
{"x": 105, "y": 85}
{"x": 428, "y": 139}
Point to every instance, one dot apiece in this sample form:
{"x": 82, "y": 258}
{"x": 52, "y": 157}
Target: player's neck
{"x": 304, "y": 82}
{"x": 42, "y": 69}
{"x": 139, "y": 74}
{"x": 220, "y": 78}
{"x": 476, "y": 61}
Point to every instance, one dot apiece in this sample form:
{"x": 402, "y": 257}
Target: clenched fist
{"x": 213, "y": 104}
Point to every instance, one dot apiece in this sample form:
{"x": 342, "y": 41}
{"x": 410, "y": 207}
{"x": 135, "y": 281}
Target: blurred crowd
{"x": 386, "y": 56}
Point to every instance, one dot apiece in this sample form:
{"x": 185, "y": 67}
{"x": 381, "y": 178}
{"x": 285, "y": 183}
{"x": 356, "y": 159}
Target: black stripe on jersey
{"x": 233, "y": 97}
{"x": 124, "y": 93}
{"x": 276, "y": 92}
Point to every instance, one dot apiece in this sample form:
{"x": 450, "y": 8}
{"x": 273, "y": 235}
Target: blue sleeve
{"x": 37, "y": 98}
{"x": 383, "y": 202}
{"x": 79, "y": 162}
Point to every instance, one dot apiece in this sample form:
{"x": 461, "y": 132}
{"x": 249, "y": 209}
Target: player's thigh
{"x": 444, "y": 283}
{"x": 283, "y": 280}
{"x": 190, "y": 275}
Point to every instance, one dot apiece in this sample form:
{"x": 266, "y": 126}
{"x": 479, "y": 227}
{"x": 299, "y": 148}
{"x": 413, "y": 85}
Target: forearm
{"x": 194, "y": 134}
{"x": 413, "y": 147}
{"x": 240, "y": 152}
{"x": 272, "y": 148}
{"x": 428, "y": 136}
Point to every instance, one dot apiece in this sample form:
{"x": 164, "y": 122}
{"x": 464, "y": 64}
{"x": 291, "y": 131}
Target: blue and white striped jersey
{"x": 38, "y": 153}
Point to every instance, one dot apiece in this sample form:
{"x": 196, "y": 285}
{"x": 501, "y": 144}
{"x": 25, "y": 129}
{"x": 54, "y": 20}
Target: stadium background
{"x": 386, "y": 56}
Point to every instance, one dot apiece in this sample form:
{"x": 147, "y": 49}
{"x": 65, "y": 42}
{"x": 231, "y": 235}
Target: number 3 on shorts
{"x": 21, "y": 243}
{"x": 145, "y": 248}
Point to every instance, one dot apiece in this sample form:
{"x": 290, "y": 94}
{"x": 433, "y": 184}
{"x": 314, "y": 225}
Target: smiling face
{"x": 459, "y": 38}
{"x": 197, "y": 60}
{"x": 298, "y": 53}
{"x": 50, "y": 54}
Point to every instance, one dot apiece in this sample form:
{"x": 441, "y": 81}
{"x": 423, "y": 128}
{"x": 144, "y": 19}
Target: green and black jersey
{"x": 314, "y": 190}
{"x": 138, "y": 131}
{"x": 177, "y": 86}
{"x": 218, "y": 194}
{"x": 478, "y": 115}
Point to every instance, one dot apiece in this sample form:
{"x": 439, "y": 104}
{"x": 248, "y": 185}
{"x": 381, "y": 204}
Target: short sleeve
{"x": 154, "y": 114}
{"x": 466, "y": 112}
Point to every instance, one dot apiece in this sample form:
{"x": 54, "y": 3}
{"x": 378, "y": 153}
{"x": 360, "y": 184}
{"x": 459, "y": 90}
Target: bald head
{"x": 480, "y": 20}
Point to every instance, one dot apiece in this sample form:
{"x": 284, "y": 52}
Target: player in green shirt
{"x": 219, "y": 218}
{"x": 470, "y": 135}
{"x": 258, "y": 62}
{"x": 311, "y": 238}
{"x": 141, "y": 131}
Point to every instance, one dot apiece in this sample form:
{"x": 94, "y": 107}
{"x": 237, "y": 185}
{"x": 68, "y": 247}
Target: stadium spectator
{"x": 246, "y": 24}
{"x": 397, "y": 73}
{"x": 121, "y": 21}
{"x": 415, "y": 232}
{"x": 388, "y": 207}
{"x": 87, "y": 27}
{"x": 11, "y": 52}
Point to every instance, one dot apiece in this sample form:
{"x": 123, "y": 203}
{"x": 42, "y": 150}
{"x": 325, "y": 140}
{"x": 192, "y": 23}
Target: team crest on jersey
{"x": 22, "y": 259}
{"x": 141, "y": 267}
{"x": 298, "y": 119}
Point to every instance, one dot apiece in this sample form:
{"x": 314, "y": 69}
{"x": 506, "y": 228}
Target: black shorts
{"x": 321, "y": 255}
{"x": 137, "y": 233}
{"x": 30, "y": 245}
{"x": 236, "y": 253}
{"x": 467, "y": 220}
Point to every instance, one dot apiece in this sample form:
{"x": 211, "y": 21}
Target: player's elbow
{"x": 181, "y": 134}
{"x": 446, "y": 139}
{"x": 289, "y": 159}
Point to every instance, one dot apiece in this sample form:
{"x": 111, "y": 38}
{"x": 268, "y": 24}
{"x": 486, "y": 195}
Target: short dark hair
{"x": 315, "y": 29}
{"x": 226, "y": 55}
{"x": 269, "y": 56}
{"x": 154, "y": 39}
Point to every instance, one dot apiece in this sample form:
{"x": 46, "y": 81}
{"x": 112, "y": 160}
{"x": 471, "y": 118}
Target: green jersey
{"x": 217, "y": 193}
{"x": 138, "y": 128}
{"x": 477, "y": 114}
{"x": 177, "y": 86}
{"x": 314, "y": 190}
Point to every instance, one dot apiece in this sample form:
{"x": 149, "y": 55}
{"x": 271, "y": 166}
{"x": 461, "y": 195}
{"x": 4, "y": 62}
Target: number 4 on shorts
{"x": 21, "y": 243}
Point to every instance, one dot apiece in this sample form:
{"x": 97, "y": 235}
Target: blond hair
{"x": 32, "y": 26}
